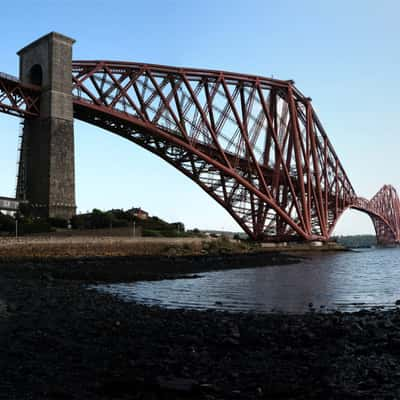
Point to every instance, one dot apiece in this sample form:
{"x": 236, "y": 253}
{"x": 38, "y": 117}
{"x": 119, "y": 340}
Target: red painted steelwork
{"x": 253, "y": 144}
{"x": 18, "y": 99}
{"x": 384, "y": 210}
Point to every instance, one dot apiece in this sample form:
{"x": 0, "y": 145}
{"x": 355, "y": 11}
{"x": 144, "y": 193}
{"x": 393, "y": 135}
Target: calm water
{"x": 343, "y": 281}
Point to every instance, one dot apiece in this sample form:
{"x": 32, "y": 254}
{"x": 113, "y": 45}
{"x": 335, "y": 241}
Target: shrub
{"x": 7, "y": 223}
{"x": 120, "y": 223}
{"x": 170, "y": 233}
{"x": 58, "y": 222}
{"x": 35, "y": 226}
{"x": 151, "y": 233}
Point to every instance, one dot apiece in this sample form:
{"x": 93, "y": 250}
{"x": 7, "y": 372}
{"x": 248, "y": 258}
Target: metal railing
{"x": 9, "y": 77}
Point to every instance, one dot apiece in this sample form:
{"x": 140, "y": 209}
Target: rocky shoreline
{"x": 60, "y": 340}
{"x": 135, "y": 268}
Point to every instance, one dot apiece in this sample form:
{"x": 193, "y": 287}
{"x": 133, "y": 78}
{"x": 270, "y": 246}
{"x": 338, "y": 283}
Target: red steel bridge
{"x": 254, "y": 144}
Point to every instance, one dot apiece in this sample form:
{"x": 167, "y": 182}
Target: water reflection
{"x": 345, "y": 281}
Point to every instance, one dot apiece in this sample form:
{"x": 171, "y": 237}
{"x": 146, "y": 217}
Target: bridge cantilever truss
{"x": 254, "y": 144}
{"x": 18, "y": 99}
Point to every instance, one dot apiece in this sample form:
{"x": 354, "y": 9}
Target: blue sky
{"x": 343, "y": 54}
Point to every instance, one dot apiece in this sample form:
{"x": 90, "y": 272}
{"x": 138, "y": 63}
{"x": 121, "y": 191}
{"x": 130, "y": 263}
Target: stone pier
{"x": 47, "y": 173}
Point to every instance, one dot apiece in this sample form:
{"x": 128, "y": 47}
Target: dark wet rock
{"x": 3, "y": 309}
{"x": 60, "y": 340}
{"x": 12, "y": 307}
{"x": 230, "y": 341}
{"x": 357, "y": 328}
{"x": 46, "y": 276}
{"x": 234, "y": 332}
{"x": 183, "y": 385}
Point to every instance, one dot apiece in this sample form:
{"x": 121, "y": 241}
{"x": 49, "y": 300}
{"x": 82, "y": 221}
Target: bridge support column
{"x": 47, "y": 176}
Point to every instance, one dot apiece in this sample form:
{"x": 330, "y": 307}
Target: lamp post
{"x": 16, "y": 223}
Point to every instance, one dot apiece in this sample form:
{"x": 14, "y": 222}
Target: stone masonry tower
{"x": 46, "y": 177}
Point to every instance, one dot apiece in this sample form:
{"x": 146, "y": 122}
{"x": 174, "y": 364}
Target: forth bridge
{"x": 254, "y": 144}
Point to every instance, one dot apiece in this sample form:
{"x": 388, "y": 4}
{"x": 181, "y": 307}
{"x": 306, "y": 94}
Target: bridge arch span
{"x": 254, "y": 144}
{"x": 385, "y": 233}
{"x": 193, "y": 164}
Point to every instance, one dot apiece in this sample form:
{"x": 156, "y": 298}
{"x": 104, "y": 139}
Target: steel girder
{"x": 18, "y": 99}
{"x": 254, "y": 144}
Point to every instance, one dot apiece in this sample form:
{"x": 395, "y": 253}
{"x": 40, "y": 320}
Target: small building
{"x": 139, "y": 213}
{"x": 8, "y": 204}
